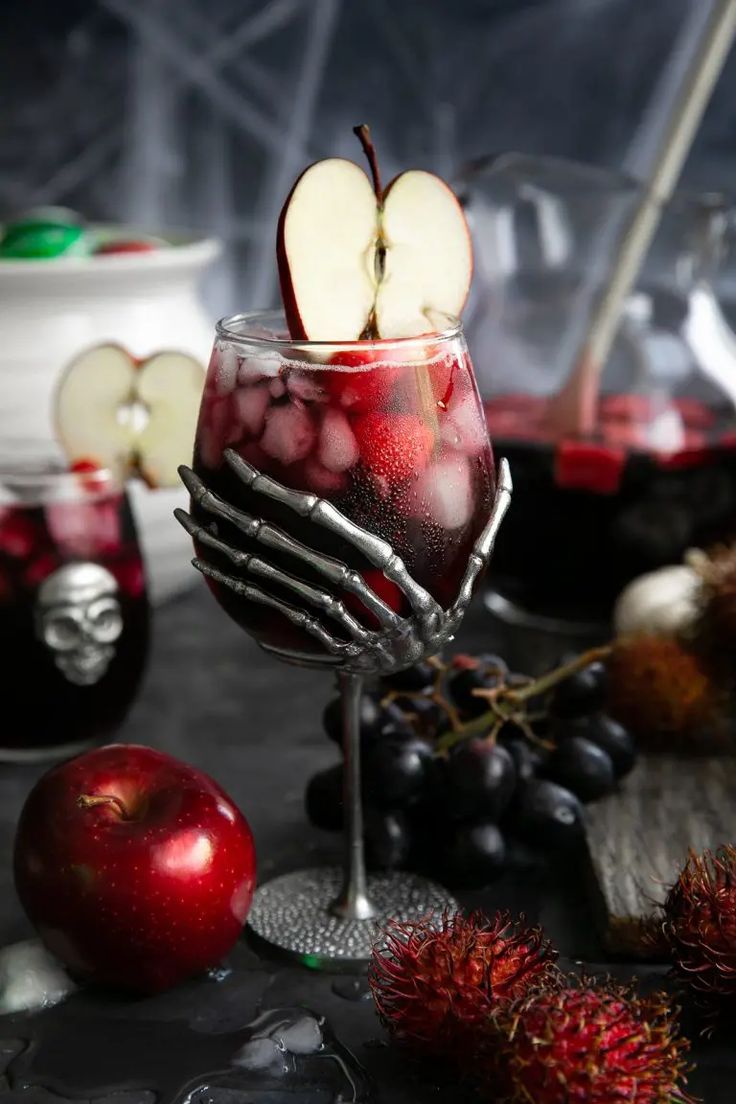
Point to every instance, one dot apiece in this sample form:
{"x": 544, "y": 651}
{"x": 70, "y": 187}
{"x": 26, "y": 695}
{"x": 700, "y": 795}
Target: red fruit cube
{"x": 366, "y": 391}
{"x": 393, "y": 447}
{"x": 586, "y": 466}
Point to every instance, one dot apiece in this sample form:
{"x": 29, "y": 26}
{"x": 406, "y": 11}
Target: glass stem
{"x": 353, "y": 902}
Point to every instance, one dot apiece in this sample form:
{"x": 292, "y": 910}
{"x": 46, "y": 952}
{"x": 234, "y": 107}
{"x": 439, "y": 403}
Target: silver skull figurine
{"x": 78, "y": 618}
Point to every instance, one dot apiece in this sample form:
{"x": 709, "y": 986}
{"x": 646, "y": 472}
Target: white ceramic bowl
{"x": 51, "y": 310}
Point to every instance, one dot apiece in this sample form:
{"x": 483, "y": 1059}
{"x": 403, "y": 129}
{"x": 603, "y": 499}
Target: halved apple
{"x": 357, "y": 261}
{"x": 133, "y": 417}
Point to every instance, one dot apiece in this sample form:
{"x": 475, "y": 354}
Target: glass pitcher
{"x": 641, "y": 465}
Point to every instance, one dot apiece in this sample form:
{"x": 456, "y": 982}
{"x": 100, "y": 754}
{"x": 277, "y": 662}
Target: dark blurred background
{"x": 199, "y": 113}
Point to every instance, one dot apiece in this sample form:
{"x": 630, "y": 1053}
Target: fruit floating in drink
{"x": 591, "y": 513}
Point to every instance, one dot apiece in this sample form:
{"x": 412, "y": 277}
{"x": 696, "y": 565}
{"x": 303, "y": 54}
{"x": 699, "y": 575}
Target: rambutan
{"x": 715, "y": 627}
{"x": 700, "y": 928}
{"x": 662, "y": 692}
{"x": 435, "y": 982}
{"x": 589, "y": 1043}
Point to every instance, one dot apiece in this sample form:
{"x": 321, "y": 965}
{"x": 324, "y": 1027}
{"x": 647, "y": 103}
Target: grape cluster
{"x": 461, "y": 758}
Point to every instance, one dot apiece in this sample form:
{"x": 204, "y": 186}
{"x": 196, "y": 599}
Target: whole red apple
{"x": 136, "y": 869}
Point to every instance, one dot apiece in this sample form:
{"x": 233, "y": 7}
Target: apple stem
{"x": 89, "y": 801}
{"x": 363, "y": 133}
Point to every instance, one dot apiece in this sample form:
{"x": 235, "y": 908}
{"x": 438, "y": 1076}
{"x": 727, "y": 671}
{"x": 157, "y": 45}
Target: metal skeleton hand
{"x": 400, "y": 641}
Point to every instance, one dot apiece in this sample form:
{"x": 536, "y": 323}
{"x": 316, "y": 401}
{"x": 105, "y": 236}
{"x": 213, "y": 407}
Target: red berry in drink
{"x": 393, "y": 447}
{"x": 362, "y": 392}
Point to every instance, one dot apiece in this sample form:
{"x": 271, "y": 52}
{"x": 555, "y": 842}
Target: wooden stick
{"x": 573, "y": 410}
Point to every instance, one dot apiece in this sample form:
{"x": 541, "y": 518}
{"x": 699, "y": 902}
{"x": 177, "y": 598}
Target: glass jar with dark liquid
{"x": 74, "y": 616}
{"x": 650, "y": 471}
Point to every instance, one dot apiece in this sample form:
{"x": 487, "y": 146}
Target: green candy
{"x": 38, "y": 239}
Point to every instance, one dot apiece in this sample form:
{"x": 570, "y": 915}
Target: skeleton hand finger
{"x": 484, "y": 545}
{"x": 297, "y": 617}
{"x": 336, "y": 572}
{"x": 377, "y": 551}
{"x": 314, "y": 595}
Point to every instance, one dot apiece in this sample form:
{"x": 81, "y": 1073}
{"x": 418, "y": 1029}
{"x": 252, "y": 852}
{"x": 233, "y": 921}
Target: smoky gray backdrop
{"x": 199, "y": 113}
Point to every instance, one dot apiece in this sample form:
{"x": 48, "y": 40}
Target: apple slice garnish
{"x": 132, "y": 417}
{"x": 357, "y": 261}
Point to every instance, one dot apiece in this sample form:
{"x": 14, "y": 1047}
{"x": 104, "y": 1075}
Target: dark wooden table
{"x": 212, "y": 698}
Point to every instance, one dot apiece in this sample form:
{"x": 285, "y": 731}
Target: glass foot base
{"x": 292, "y": 914}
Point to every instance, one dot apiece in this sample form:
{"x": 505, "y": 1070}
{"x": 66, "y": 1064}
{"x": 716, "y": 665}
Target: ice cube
{"x": 84, "y": 528}
{"x": 226, "y": 373}
{"x": 31, "y": 978}
{"x": 338, "y": 448}
{"x": 444, "y": 492}
{"x": 253, "y": 369}
{"x": 258, "y": 1054}
{"x": 322, "y": 481}
{"x": 463, "y": 426}
{"x": 305, "y": 387}
{"x": 289, "y": 433}
{"x": 666, "y": 432}
{"x": 249, "y": 408}
{"x": 304, "y": 1036}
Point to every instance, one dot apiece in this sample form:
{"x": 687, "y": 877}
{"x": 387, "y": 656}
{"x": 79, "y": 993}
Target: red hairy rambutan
{"x": 435, "y": 982}
{"x": 588, "y": 1043}
{"x": 661, "y": 691}
{"x": 700, "y": 928}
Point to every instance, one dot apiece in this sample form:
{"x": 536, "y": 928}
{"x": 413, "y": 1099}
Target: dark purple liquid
{"x": 589, "y": 516}
{"x": 43, "y": 707}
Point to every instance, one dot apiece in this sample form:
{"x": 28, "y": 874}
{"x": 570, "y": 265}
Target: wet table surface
{"x": 212, "y": 698}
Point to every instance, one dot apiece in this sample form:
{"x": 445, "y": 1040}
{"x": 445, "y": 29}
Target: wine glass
{"x": 74, "y": 615}
{"x": 339, "y": 489}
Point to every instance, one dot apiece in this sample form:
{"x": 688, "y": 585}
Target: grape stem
{"x": 507, "y": 704}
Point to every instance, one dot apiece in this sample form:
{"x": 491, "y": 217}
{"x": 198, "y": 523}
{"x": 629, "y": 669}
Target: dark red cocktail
{"x": 73, "y": 610}
{"x": 391, "y": 433}
{"x": 591, "y": 513}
